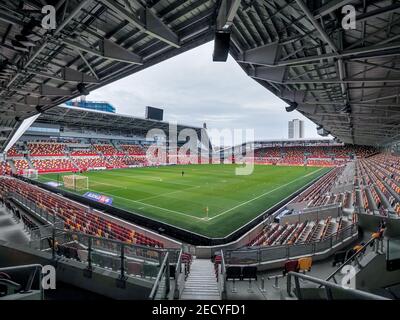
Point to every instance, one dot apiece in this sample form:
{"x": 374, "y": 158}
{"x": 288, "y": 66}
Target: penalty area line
{"x": 153, "y": 206}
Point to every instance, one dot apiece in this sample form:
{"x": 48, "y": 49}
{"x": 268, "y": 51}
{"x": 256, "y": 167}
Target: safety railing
{"x": 221, "y": 276}
{"x": 123, "y": 258}
{"x": 161, "y": 286}
{"x": 178, "y": 272}
{"x": 265, "y": 254}
{"x": 35, "y": 209}
{"x": 330, "y": 291}
{"x": 384, "y": 213}
{"x": 354, "y": 258}
{"x": 32, "y": 271}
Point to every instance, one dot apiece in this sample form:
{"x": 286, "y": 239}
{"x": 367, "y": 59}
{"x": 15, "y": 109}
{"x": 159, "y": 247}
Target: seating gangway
{"x": 201, "y": 283}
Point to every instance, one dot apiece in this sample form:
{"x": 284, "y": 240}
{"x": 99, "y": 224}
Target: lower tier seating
{"x": 21, "y": 165}
{"x": 75, "y": 216}
{"x": 4, "y": 168}
{"x": 276, "y": 234}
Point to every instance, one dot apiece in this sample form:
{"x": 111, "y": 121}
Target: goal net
{"x": 30, "y": 173}
{"x": 76, "y": 182}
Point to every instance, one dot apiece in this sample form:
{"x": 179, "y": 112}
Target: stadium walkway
{"x": 202, "y": 282}
{"x": 10, "y": 230}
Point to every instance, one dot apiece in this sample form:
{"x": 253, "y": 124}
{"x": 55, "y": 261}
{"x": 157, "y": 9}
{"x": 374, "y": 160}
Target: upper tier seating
{"x": 53, "y": 165}
{"x": 107, "y": 149}
{"x": 85, "y": 163}
{"x": 312, "y": 155}
{"x": 84, "y": 152}
{"x": 75, "y": 216}
{"x": 14, "y": 152}
{"x": 46, "y": 149}
{"x": 378, "y": 177}
{"x": 21, "y": 165}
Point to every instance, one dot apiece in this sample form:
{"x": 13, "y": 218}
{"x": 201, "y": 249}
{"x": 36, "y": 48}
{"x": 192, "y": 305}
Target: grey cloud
{"x": 192, "y": 90}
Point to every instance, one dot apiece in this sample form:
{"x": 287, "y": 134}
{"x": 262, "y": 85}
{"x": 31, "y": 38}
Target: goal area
{"x": 76, "y": 182}
{"x": 30, "y": 173}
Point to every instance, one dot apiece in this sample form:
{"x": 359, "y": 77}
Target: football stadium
{"x": 100, "y": 205}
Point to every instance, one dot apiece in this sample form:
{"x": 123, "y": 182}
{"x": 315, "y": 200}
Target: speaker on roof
{"x": 291, "y": 107}
{"x": 82, "y": 89}
{"x": 222, "y": 43}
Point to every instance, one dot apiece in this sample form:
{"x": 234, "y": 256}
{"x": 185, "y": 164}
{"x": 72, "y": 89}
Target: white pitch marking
{"x": 153, "y": 179}
{"x": 150, "y": 205}
{"x": 168, "y": 193}
{"x": 260, "y": 196}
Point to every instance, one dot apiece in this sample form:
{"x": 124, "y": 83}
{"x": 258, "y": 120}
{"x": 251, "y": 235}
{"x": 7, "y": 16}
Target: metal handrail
{"x": 118, "y": 242}
{"x": 350, "y": 260}
{"x": 164, "y": 268}
{"x": 35, "y": 267}
{"x": 223, "y": 273}
{"x": 56, "y": 221}
{"x": 178, "y": 267}
{"x": 259, "y": 249}
{"x": 328, "y": 287}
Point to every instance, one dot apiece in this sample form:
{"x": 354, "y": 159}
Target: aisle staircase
{"x": 201, "y": 283}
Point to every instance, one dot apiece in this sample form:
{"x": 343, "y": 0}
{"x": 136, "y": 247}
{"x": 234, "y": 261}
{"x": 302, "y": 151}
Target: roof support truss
{"x": 145, "y": 20}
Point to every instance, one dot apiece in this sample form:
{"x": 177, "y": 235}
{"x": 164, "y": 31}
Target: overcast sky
{"x": 193, "y": 89}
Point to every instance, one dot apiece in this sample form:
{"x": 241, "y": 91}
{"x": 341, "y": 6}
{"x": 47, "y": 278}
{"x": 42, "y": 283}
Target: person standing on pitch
{"x": 183, "y": 173}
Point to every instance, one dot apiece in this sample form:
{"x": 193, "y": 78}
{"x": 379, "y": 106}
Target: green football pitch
{"x": 208, "y": 199}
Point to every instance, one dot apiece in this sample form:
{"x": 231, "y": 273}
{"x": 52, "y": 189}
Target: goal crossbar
{"x": 76, "y": 182}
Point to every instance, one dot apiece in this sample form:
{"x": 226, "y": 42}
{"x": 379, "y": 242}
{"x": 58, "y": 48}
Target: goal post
{"x": 76, "y": 182}
{"x": 30, "y": 173}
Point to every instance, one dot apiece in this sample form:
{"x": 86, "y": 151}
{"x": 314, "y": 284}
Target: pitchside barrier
{"x": 166, "y": 229}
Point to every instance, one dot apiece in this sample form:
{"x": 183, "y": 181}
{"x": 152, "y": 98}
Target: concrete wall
{"x": 101, "y": 282}
{"x": 367, "y": 278}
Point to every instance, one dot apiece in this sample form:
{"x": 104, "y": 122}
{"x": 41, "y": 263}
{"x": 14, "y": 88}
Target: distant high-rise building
{"x": 296, "y": 129}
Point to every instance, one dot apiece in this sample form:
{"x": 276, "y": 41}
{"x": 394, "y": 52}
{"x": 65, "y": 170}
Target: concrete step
{"x": 201, "y": 283}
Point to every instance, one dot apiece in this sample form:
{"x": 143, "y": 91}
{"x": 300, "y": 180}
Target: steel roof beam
{"x": 146, "y": 21}
{"x": 338, "y": 81}
{"x": 68, "y": 75}
{"x": 62, "y": 25}
{"x": 226, "y": 14}
{"x": 330, "y": 7}
{"x": 378, "y": 12}
{"x": 109, "y": 51}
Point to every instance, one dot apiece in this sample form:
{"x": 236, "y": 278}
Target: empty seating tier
{"x": 133, "y": 149}
{"x": 43, "y": 149}
{"x": 275, "y": 234}
{"x": 75, "y": 216}
{"x": 53, "y": 165}
{"x": 4, "y": 168}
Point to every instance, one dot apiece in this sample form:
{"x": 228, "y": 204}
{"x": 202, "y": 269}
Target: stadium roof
{"x": 347, "y": 81}
{"x": 92, "y": 119}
